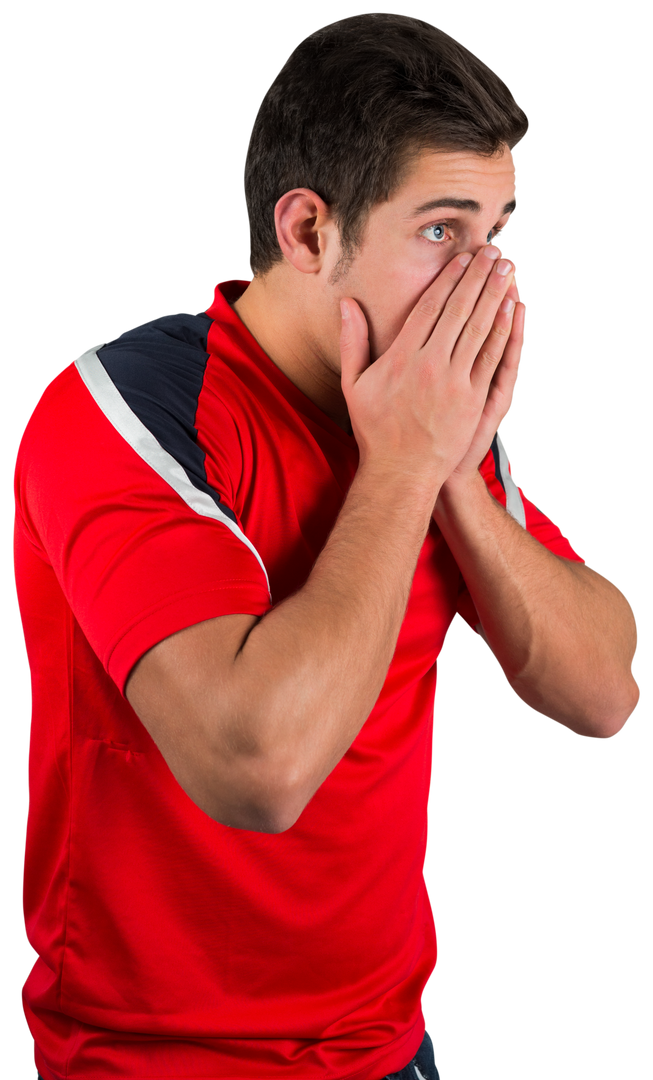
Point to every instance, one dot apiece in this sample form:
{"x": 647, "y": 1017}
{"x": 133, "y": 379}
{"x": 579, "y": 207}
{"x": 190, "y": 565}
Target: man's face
{"x": 407, "y": 240}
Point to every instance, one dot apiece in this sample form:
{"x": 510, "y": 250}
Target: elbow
{"x": 616, "y": 711}
{"x": 250, "y": 816}
{"x": 598, "y": 711}
{"x": 275, "y": 803}
{"x": 273, "y": 818}
{"x": 242, "y": 797}
{"x": 606, "y": 716}
{"x": 283, "y": 820}
{"x": 284, "y": 801}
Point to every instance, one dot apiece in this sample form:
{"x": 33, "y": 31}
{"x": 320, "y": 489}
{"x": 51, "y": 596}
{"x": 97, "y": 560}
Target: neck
{"x": 294, "y": 342}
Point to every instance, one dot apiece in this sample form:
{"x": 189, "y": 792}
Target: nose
{"x": 479, "y": 238}
{"x": 476, "y": 240}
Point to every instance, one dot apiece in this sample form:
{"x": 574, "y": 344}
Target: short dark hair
{"x": 353, "y": 105}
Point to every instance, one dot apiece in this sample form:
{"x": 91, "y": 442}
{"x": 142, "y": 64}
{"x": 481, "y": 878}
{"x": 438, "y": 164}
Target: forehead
{"x": 489, "y": 181}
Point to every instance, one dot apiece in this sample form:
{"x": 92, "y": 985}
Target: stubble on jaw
{"x": 342, "y": 266}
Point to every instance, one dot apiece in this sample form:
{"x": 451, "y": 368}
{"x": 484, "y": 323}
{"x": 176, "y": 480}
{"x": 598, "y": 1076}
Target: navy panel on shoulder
{"x": 158, "y": 368}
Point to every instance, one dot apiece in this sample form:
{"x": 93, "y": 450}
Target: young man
{"x": 241, "y": 538}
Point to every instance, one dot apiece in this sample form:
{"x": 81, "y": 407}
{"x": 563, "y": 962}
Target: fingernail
{"x": 465, "y": 259}
{"x": 504, "y": 266}
{"x": 344, "y": 309}
{"x": 507, "y": 305}
{"x": 492, "y": 252}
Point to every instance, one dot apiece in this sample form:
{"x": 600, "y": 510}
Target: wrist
{"x": 460, "y": 489}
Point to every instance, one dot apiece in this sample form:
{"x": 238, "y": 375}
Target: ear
{"x": 304, "y": 227}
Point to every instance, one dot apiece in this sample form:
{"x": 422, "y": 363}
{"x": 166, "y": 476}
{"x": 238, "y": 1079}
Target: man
{"x": 241, "y": 538}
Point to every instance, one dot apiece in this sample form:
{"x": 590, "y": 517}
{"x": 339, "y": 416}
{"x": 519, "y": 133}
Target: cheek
{"x": 408, "y": 285}
{"x": 386, "y": 320}
{"x": 388, "y": 280}
{"x": 418, "y": 267}
{"x": 412, "y": 275}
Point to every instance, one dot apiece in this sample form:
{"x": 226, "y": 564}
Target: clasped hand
{"x": 432, "y": 403}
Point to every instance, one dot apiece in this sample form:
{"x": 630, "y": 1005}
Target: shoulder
{"x": 157, "y": 368}
{"x": 160, "y": 363}
{"x": 148, "y": 384}
{"x": 143, "y": 387}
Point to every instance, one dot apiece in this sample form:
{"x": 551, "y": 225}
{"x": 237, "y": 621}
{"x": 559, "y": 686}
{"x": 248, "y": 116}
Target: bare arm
{"x": 317, "y": 662}
{"x": 274, "y": 703}
{"x": 564, "y": 636}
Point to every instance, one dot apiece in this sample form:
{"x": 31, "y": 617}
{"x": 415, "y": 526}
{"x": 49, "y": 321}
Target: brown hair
{"x": 353, "y": 105}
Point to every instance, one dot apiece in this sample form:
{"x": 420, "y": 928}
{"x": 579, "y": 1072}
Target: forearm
{"x": 564, "y": 636}
{"x": 310, "y": 671}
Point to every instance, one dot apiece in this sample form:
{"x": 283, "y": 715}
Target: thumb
{"x": 354, "y": 343}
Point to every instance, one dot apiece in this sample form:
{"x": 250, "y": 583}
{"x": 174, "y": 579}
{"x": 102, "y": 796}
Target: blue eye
{"x": 440, "y": 237}
{"x": 438, "y": 230}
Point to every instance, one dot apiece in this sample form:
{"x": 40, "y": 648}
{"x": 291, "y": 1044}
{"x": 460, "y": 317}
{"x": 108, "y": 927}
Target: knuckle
{"x": 477, "y": 271}
{"x": 455, "y": 309}
{"x": 475, "y": 331}
{"x": 429, "y": 306}
{"x": 501, "y": 330}
{"x": 488, "y": 358}
{"x": 398, "y": 360}
{"x": 495, "y": 291}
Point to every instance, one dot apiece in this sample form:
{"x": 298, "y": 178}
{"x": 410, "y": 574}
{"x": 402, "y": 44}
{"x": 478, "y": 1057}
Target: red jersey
{"x": 169, "y": 477}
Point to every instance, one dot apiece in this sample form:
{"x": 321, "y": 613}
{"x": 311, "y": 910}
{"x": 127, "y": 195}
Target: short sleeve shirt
{"x": 168, "y": 477}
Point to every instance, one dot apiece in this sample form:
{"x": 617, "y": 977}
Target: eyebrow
{"x": 456, "y": 204}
